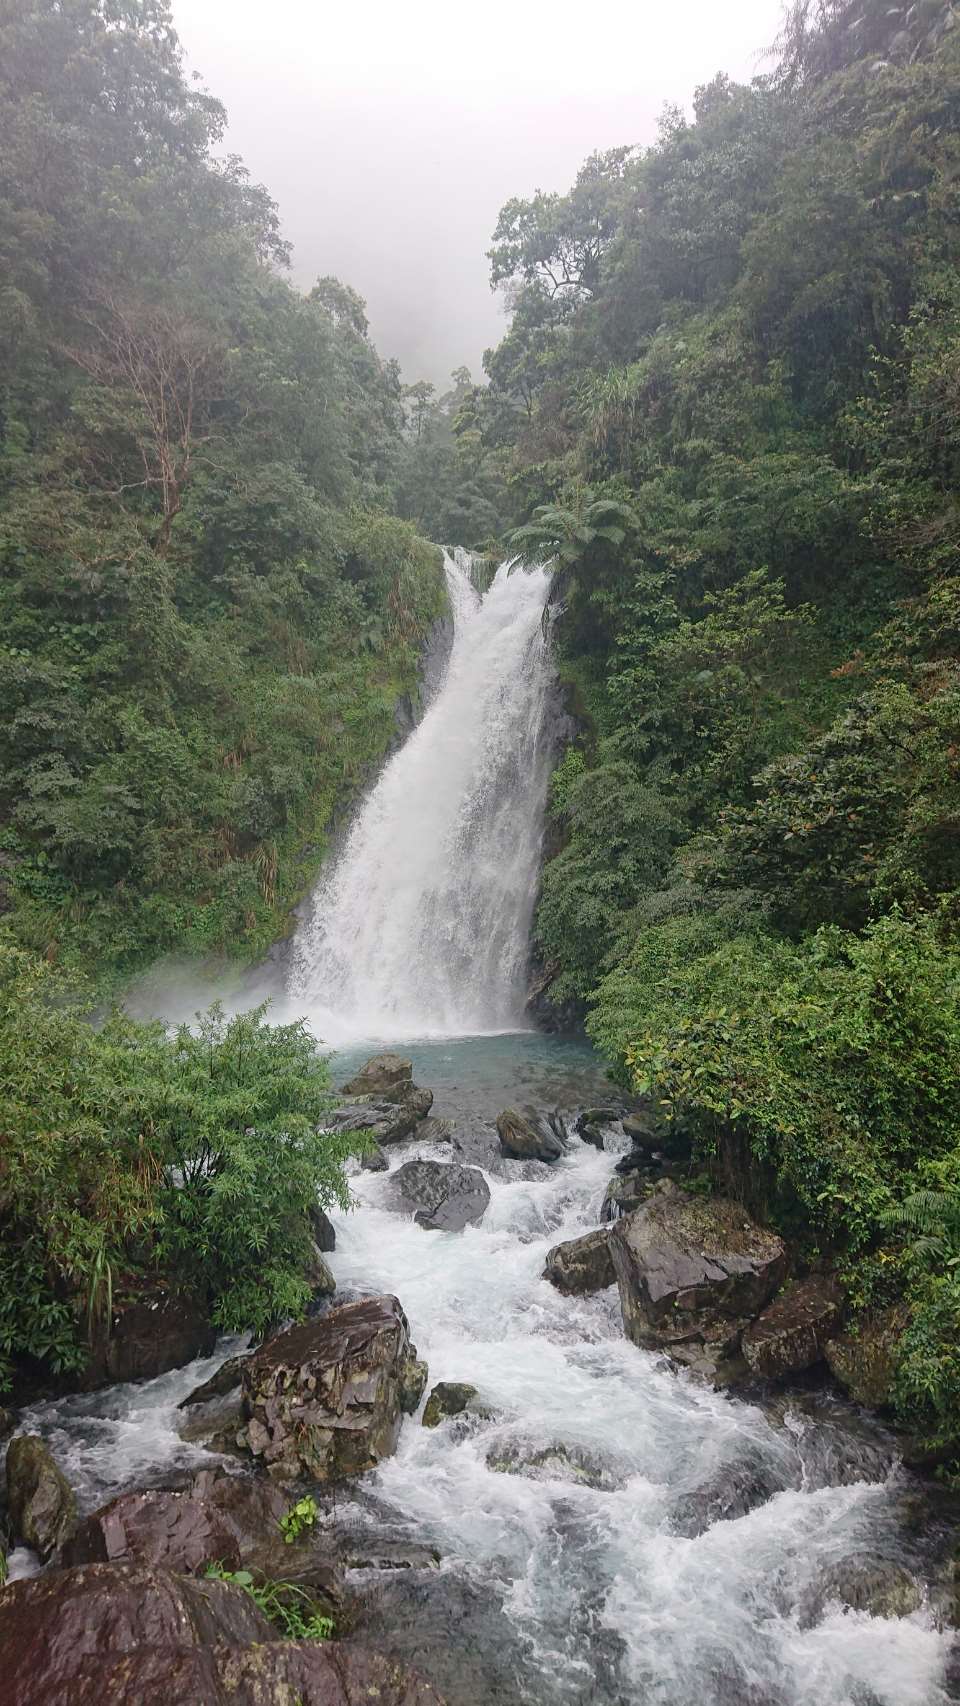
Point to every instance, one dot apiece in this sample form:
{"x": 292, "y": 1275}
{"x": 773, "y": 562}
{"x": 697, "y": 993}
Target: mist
{"x": 391, "y": 137}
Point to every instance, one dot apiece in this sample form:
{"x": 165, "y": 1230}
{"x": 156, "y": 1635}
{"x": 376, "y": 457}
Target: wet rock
{"x": 525, "y": 1141}
{"x": 448, "y": 1398}
{"x": 791, "y": 1333}
{"x": 40, "y": 1499}
{"x": 318, "y": 1275}
{"x": 730, "y": 1493}
{"x": 643, "y": 1131}
{"x": 594, "y": 1124}
{"x": 383, "y": 1122}
{"x": 215, "y": 1424}
{"x": 625, "y": 1192}
{"x": 863, "y": 1359}
{"x": 152, "y": 1331}
{"x": 324, "y": 1235}
{"x": 552, "y": 1463}
{"x": 432, "y": 1130}
{"x": 109, "y": 1635}
{"x": 222, "y": 1517}
{"x": 231, "y": 1519}
{"x": 387, "y": 1076}
{"x": 8, "y": 1422}
{"x": 383, "y": 1554}
{"x": 62, "y": 1633}
{"x": 692, "y": 1273}
{"x": 442, "y": 1196}
{"x": 374, "y": 1161}
{"x": 226, "y": 1379}
{"x": 413, "y": 1384}
{"x": 581, "y": 1264}
{"x": 881, "y": 1587}
{"x": 452, "y": 1629}
{"x": 325, "y": 1397}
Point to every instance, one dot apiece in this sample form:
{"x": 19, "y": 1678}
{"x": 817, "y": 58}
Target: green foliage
{"x": 207, "y": 613}
{"x": 299, "y": 1518}
{"x": 285, "y": 1604}
{"x": 728, "y": 402}
{"x": 128, "y": 1151}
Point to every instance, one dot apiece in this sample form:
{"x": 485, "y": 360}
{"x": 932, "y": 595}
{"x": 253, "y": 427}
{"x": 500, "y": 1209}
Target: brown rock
{"x": 326, "y": 1397}
{"x": 581, "y": 1264}
{"x": 43, "y": 1509}
{"x": 112, "y": 1635}
{"x": 322, "y": 1228}
{"x": 864, "y": 1360}
{"x": 386, "y": 1076}
{"x": 152, "y": 1331}
{"x": 62, "y": 1632}
{"x": 525, "y": 1141}
{"x": 791, "y": 1333}
{"x": 222, "y": 1518}
{"x": 692, "y": 1273}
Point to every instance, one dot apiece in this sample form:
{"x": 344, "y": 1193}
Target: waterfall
{"x": 422, "y": 926}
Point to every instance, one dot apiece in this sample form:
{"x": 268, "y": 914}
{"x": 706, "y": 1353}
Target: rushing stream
{"x": 609, "y": 1531}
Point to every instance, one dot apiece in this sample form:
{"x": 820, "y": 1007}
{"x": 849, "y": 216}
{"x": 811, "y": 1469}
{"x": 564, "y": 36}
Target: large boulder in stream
{"x": 388, "y": 1077}
{"x": 524, "y": 1139}
{"x": 383, "y": 1122}
{"x": 326, "y": 1398}
{"x": 441, "y": 1195}
{"x": 864, "y": 1359}
{"x": 791, "y": 1333}
{"x": 113, "y": 1634}
{"x": 581, "y": 1264}
{"x": 40, "y": 1499}
{"x": 154, "y": 1328}
{"x": 693, "y": 1272}
{"x": 231, "y": 1519}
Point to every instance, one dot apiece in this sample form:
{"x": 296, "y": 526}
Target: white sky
{"x": 392, "y": 134}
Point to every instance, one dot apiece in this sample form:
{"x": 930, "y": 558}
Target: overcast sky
{"x": 392, "y": 134}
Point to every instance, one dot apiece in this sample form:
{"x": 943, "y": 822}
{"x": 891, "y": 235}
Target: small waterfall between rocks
{"x": 422, "y": 927}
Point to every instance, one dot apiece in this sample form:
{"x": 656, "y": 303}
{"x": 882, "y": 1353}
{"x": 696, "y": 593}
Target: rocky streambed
{"x": 568, "y": 1430}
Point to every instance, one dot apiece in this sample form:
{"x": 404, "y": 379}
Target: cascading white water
{"x": 422, "y": 927}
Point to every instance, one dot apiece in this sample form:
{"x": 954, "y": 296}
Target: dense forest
{"x": 728, "y": 405}
{"x": 207, "y": 609}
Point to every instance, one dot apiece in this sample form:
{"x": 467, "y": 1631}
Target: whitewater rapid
{"x": 422, "y": 927}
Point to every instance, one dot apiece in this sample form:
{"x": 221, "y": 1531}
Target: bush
{"x": 125, "y": 1149}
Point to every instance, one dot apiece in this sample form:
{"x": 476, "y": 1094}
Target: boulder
{"x": 433, "y": 1130}
{"x": 233, "y": 1520}
{"x": 226, "y": 1379}
{"x": 556, "y": 1462}
{"x": 593, "y": 1124}
{"x": 151, "y": 1331}
{"x": 524, "y": 1141}
{"x": 448, "y": 1398}
{"x": 413, "y": 1384}
{"x": 8, "y": 1422}
{"x": 581, "y": 1264}
{"x": 109, "y": 1635}
{"x": 218, "y": 1517}
{"x": 864, "y": 1359}
{"x": 40, "y": 1499}
{"x": 692, "y": 1273}
{"x": 625, "y": 1192}
{"x": 322, "y": 1228}
{"x": 373, "y": 1160}
{"x": 325, "y": 1397}
{"x": 384, "y": 1122}
{"x": 387, "y": 1076}
{"x": 643, "y": 1132}
{"x": 880, "y": 1587}
{"x": 442, "y": 1196}
{"x": 791, "y": 1333}
{"x": 318, "y": 1275}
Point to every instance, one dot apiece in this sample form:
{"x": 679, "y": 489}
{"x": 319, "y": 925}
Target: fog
{"x": 391, "y": 135}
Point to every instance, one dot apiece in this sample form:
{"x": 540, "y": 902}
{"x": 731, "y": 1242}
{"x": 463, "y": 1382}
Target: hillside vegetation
{"x": 728, "y": 406}
{"x": 207, "y": 613}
